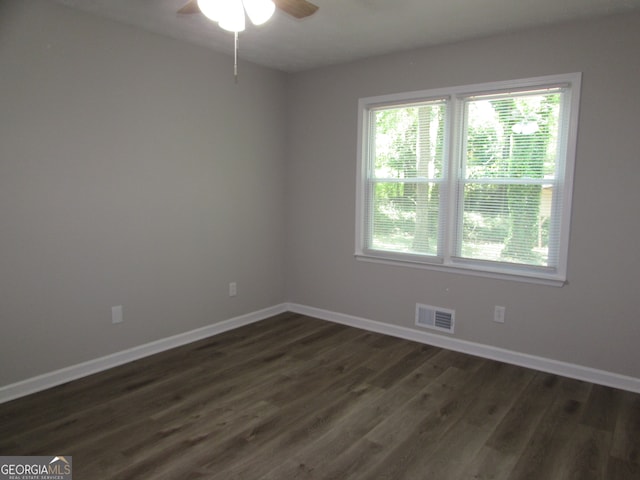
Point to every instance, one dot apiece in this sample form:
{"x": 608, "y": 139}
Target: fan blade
{"x": 191, "y": 7}
{"x": 296, "y": 8}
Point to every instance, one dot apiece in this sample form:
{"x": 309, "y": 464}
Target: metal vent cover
{"x": 435, "y": 318}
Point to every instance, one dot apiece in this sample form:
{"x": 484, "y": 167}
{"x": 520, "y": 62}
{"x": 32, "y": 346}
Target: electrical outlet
{"x": 233, "y": 289}
{"x": 116, "y": 314}
{"x": 498, "y": 314}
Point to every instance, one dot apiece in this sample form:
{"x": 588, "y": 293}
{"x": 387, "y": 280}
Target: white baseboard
{"x": 74, "y": 372}
{"x": 570, "y": 370}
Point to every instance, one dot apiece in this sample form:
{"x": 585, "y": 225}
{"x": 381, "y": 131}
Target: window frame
{"x": 454, "y": 132}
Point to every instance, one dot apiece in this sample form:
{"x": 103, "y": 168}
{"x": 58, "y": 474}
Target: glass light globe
{"x": 232, "y": 17}
{"x": 259, "y": 11}
{"x": 211, "y": 8}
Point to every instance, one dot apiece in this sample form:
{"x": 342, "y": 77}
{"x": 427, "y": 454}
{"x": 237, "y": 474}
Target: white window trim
{"x": 448, "y": 262}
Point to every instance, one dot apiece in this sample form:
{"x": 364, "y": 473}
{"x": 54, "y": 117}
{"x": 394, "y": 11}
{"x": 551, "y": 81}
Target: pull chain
{"x": 235, "y": 58}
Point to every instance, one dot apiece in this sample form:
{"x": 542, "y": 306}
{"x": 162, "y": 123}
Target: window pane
{"x": 405, "y": 217}
{"x": 496, "y": 228}
{"x": 409, "y": 141}
{"x": 512, "y": 136}
{"x": 510, "y": 163}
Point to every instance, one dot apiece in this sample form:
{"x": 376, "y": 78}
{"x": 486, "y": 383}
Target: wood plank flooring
{"x": 294, "y": 397}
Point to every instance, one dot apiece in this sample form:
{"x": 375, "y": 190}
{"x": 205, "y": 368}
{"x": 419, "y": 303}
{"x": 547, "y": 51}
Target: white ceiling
{"x": 345, "y": 30}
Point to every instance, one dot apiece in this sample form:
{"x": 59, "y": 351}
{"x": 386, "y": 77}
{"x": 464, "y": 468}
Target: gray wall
{"x": 593, "y": 321}
{"x": 133, "y": 172}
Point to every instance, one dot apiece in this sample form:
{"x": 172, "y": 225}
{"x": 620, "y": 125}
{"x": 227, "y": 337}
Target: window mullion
{"x": 449, "y": 221}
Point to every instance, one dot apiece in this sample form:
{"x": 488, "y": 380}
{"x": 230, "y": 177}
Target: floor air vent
{"x": 435, "y": 318}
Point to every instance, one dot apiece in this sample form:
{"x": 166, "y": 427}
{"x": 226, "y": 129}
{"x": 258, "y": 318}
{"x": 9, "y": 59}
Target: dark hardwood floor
{"x": 298, "y": 398}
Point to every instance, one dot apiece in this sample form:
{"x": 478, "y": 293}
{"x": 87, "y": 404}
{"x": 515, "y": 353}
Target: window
{"x": 475, "y": 179}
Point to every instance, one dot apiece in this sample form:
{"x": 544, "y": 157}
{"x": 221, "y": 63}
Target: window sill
{"x": 472, "y": 270}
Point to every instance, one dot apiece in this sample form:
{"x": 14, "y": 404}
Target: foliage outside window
{"x": 472, "y": 178}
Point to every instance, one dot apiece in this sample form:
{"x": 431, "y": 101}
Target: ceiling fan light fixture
{"x": 230, "y": 14}
{"x": 259, "y": 11}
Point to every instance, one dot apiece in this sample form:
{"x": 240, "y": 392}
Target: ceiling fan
{"x": 230, "y": 14}
{"x": 258, "y": 11}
